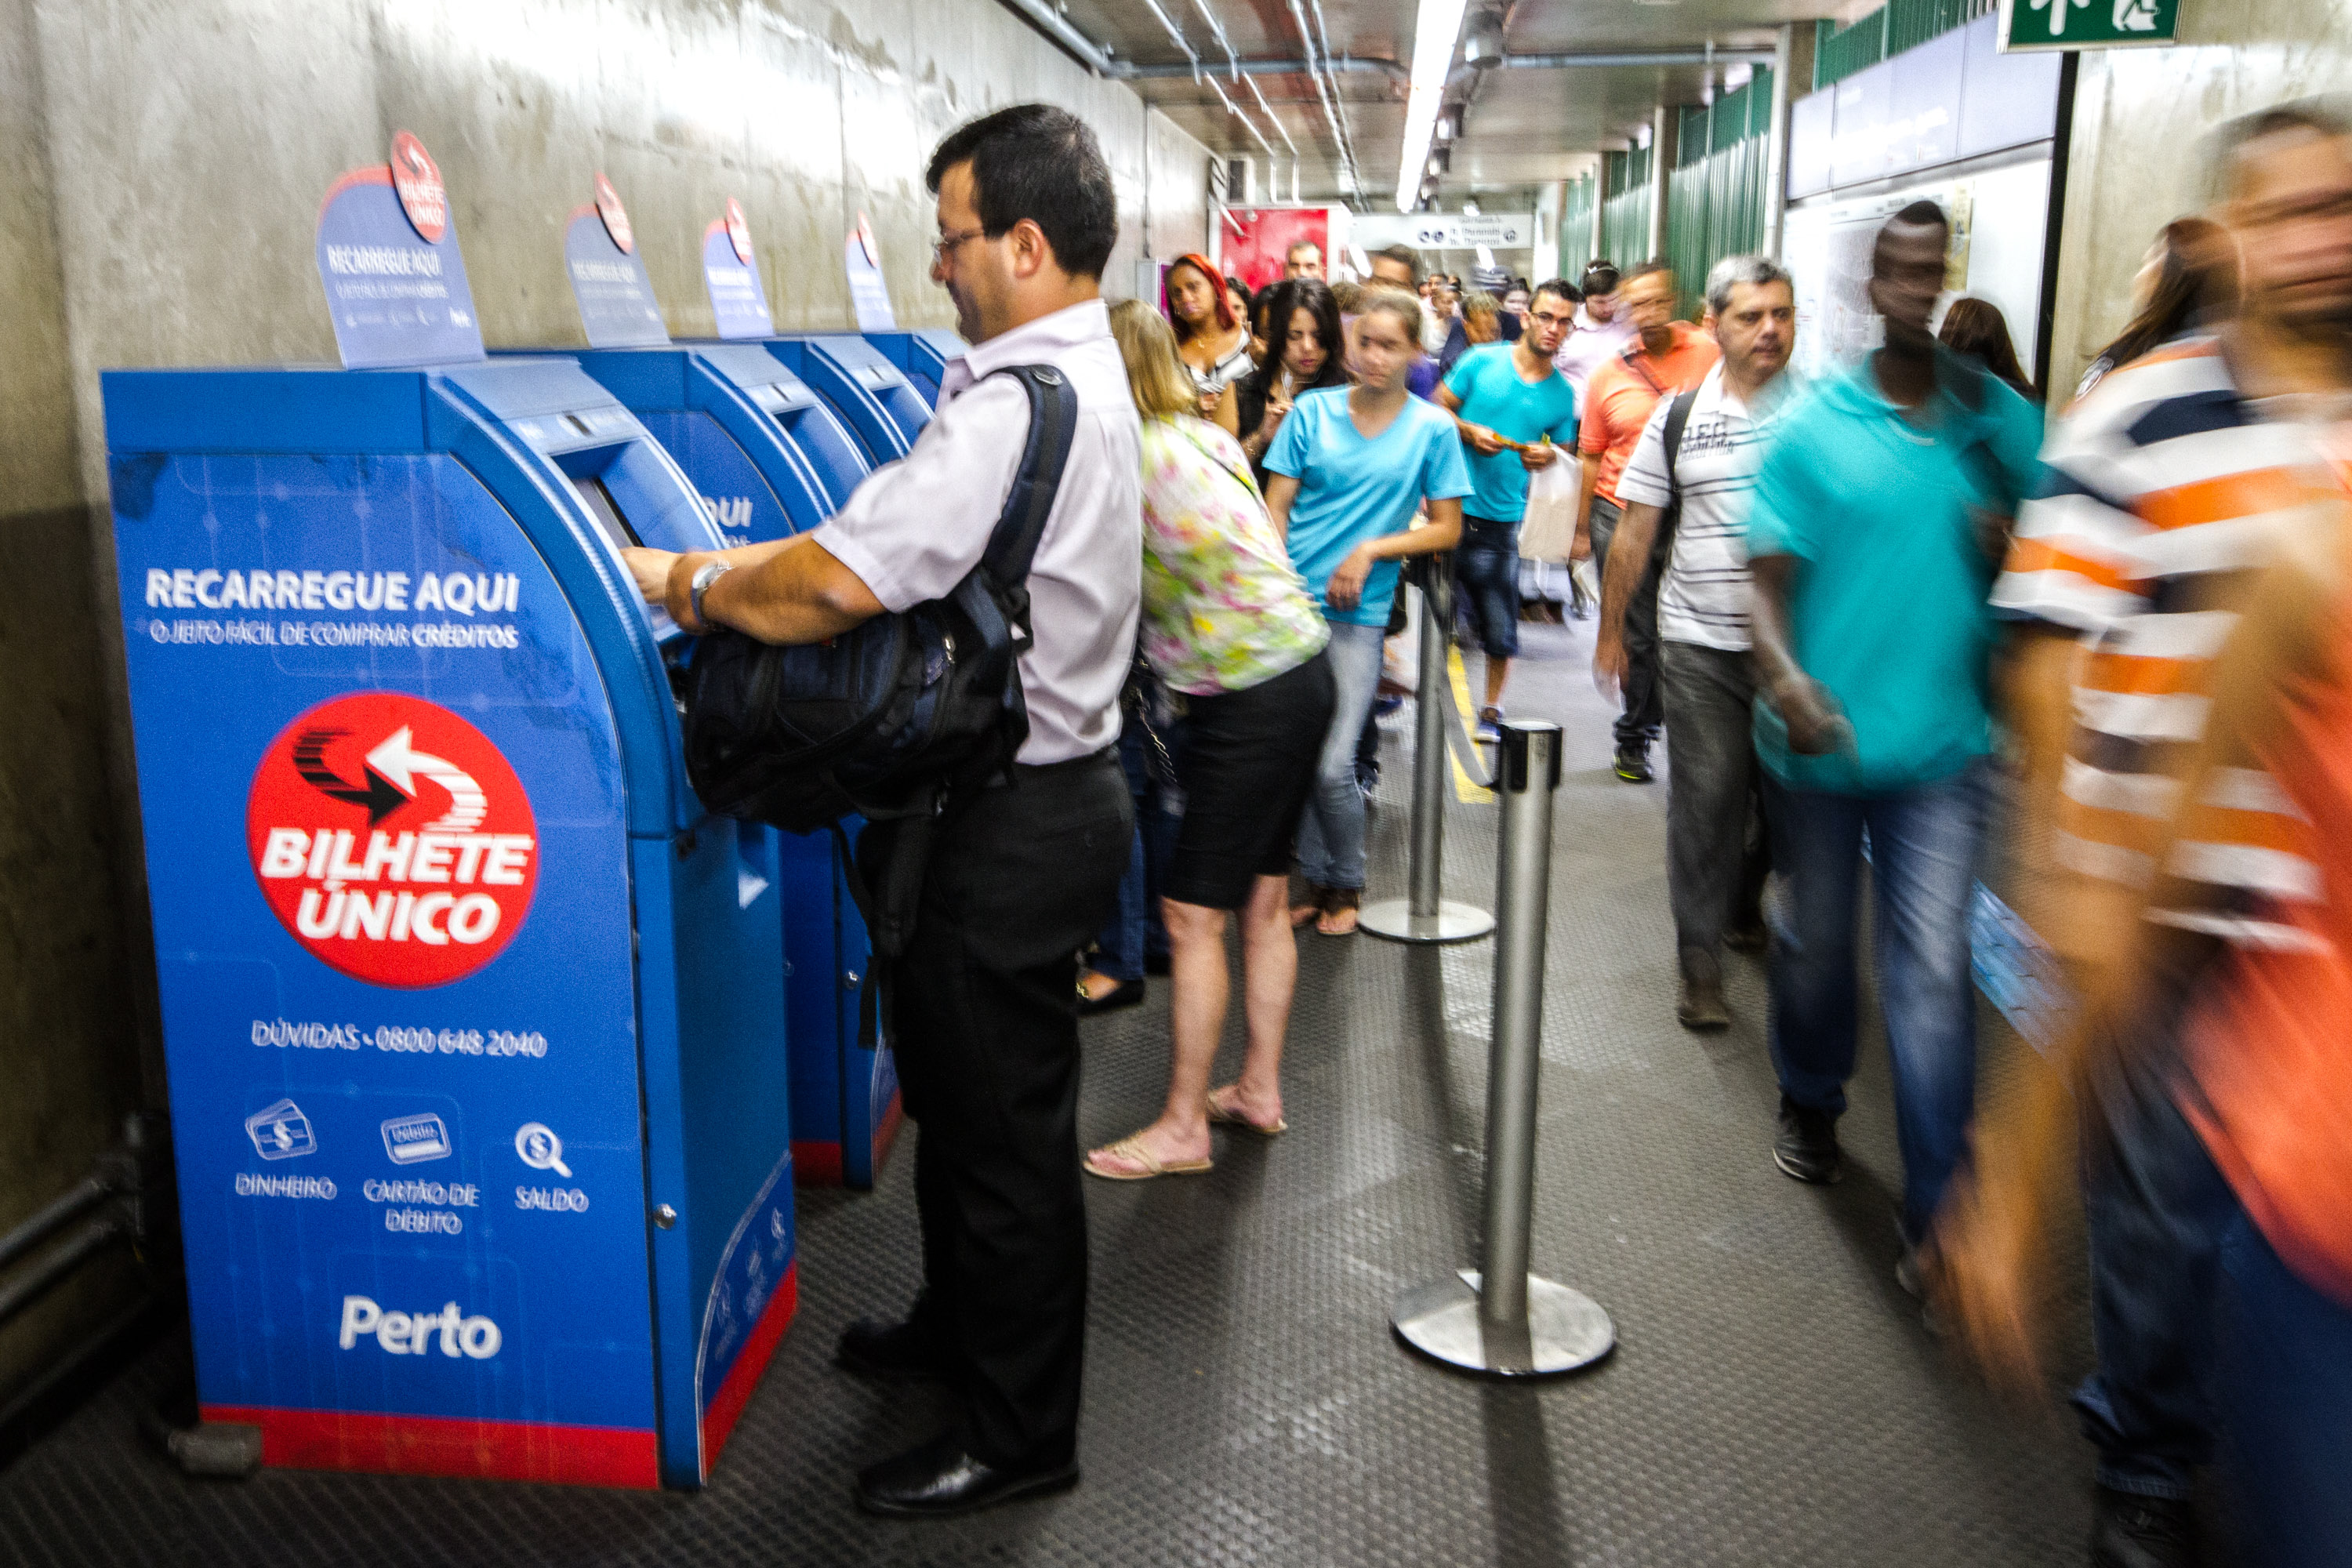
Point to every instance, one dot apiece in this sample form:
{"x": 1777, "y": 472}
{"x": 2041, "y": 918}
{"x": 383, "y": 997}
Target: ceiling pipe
{"x": 1096, "y": 59}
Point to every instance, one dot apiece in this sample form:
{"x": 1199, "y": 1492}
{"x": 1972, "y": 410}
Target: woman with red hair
{"x": 1211, "y": 339}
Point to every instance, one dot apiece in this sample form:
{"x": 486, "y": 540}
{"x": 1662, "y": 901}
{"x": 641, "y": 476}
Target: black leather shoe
{"x": 2134, "y": 1531}
{"x": 892, "y": 1353}
{"x": 941, "y": 1478}
{"x": 1128, "y": 993}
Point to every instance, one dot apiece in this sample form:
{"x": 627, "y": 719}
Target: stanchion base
{"x": 1395, "y": 918}
{"x": 1565, "y": 1328}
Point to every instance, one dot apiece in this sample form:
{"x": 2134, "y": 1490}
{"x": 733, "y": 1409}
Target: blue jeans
{"x": 1924, "y": 844}
{"x": 1487, "y": 576}
{"x": 1135, "y": 930}
{"x": 2154, "y": 1208}
{"x": 2285, "y": 1397}
{"x": 1331, "y": 834}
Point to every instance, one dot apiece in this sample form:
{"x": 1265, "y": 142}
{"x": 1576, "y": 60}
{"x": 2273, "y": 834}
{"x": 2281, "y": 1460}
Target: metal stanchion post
{"x": 1424, "y": 916}
{"x": 1504, "y": 1322}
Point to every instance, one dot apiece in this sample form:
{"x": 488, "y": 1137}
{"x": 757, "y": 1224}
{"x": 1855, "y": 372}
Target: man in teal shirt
{"x": 1878, "y": 523}
{"x": 1516, "y": 415}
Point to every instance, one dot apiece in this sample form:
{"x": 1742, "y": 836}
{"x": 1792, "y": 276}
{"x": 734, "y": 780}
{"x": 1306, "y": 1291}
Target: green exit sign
{"x": 2087, "y": 24}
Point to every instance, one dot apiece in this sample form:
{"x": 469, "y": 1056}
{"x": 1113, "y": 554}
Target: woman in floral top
{"x": 1228, "y": 623}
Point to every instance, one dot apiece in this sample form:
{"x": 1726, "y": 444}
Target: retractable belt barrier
{"x": 1504, "y": 1322}
{"x": 1424, "y": 916}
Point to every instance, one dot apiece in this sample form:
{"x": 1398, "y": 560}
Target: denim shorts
{"x": 1487, "y": 575}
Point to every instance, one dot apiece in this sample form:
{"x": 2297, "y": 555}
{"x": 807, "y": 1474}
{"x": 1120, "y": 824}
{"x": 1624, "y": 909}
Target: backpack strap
{"x": 1678, "y": 414}
{"x": 1053, "y": 430}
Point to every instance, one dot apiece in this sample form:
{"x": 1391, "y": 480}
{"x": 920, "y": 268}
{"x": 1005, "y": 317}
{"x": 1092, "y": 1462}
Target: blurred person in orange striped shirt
{"x": 2183, "y": 681}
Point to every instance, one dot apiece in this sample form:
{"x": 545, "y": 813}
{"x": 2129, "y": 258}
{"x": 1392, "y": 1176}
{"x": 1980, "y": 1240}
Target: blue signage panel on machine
{"x": 866, "y": 389}
{"x": 769, "y": 459}
{"x": 472, "y": 1017}
{"x": 922, "y": 356}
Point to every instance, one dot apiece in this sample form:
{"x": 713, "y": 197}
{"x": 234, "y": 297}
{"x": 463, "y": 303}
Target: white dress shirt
{"x": 916, "y": 527}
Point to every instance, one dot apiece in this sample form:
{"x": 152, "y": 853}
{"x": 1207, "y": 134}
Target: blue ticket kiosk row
{"x": 769, "y": 459}
{"x": 872, "y": 394}
{"x": 475, "y": 1021}
{"x": 921, "y": 356}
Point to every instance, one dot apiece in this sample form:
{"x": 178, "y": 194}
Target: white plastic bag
{"x": 1549, "y": 532}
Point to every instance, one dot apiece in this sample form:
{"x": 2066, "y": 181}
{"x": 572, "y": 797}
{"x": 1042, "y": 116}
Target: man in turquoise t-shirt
{"x": 1516, "y": 415}
{"x": 1875, "y": 531}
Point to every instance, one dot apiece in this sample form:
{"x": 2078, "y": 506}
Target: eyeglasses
{"x": 947, "y": 242}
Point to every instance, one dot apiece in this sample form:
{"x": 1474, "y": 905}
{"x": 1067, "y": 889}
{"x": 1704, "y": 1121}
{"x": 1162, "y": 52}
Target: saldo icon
{"x": 410, "y": 1140}
{"x": 281, "y": 1132}
{"x": 537, "y": 1146}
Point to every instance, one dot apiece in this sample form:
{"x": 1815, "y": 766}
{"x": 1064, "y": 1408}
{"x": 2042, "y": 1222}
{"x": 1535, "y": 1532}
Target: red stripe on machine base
{"x": 816, "y": 1164}
{"x": 436, "y": 1445}
{"x": 735, "y": 1390}
{"x": 886, "y": 1133}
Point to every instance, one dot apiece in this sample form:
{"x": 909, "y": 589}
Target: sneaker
{"x": 1807, "y": 1146}
{"x": 1701, "y": 1007}
{"x": 1911, "y": 1273}
{"x": 1386, "y": 704}
{"x": 1367, "y": 783}
{"x": 1490, "y": 725}
{"x": 2133, "y": 1532}
{"x": 1634, "y": 762}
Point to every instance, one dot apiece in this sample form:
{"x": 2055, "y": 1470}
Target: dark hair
{"x": 1242, "y": 290}
{"x": 2197, "y": 279}
{"x": 1922, "y": 213}
{"x": 1035, "y": 162}
{"x": 1650, "y": 269}
{"x": 1561, "y": 287}
{"x": 1286, "y": 299}
{"x": 1976, "y": 327}
{"x": 1406, "y": 253}
{"x": 1600, "y": 278}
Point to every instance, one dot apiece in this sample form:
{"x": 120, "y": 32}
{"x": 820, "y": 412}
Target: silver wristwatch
{"x": 706, "y": 573}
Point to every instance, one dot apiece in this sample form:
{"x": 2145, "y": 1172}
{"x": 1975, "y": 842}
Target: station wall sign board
{"x": 1445, "y": 231}
{"x": 2029, "y": 24}
{"x": 1955, "y": 97}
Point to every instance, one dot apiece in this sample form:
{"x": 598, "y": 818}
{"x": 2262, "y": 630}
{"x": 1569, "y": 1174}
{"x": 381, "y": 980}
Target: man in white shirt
{"x": 1708, "y": 685}
{"x": 1600, "y": 331}
{"x": 1019, "y": 876}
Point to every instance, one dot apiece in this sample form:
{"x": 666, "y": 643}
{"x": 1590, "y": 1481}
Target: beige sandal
{"x": 1318, "y": 898}
{"x": 1220, "y": 1111}
{"x": 1131, "y": 1148}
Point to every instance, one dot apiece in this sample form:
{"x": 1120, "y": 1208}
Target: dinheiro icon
{"x": 392, "y": 839}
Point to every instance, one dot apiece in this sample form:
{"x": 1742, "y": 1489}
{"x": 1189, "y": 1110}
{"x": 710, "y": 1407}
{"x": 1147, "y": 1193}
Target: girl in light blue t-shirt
{"x": 1347, "y": 473}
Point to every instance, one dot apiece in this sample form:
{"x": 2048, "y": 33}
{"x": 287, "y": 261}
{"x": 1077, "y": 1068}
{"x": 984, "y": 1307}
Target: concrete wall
{"x": 2138, "y": 114}
{"x": 161, "y": 167}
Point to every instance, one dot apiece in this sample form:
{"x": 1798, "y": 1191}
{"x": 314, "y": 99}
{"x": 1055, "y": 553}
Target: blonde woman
{"x": 1228, "y": 624}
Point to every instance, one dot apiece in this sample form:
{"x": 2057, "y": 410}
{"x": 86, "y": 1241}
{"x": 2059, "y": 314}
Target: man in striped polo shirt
{"x": 2179, "y": 475}
{"x": 1709, "y": 678}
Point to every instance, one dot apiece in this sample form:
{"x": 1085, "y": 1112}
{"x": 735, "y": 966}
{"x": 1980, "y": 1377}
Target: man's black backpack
{"x": 884, "y": 719}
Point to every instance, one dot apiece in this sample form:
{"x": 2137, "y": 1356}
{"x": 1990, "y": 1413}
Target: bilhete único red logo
{"x": 392, "y": 839}
{"x": 416, "y": 180}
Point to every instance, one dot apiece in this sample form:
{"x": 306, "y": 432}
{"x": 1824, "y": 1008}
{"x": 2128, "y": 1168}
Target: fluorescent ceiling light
{"x": 1433, "y": 57}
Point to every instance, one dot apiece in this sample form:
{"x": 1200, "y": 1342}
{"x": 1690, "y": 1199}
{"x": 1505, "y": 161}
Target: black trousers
{"x": 983, "y": 1006}
{"x": 1645, "y": 706}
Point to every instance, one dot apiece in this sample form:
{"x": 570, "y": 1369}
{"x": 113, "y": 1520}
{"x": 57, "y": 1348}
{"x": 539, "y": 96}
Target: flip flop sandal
{"x": 1318, "y": 898}
{"x": 1340, "y": 900}
{"x": 1218, "y": 1111}
{"x": 1131, "y": 1148}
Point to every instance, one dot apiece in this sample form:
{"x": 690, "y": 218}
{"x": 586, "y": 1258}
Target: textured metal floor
{"x": 1772, "y": 1400}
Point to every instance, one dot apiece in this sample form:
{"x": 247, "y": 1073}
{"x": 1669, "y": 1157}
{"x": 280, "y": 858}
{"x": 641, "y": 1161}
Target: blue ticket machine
{"x": 868, "y": 391}
{"x": 770, "y": 460}
{"x": 474, "y": 1019}
{"x": 921, "y": 356}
